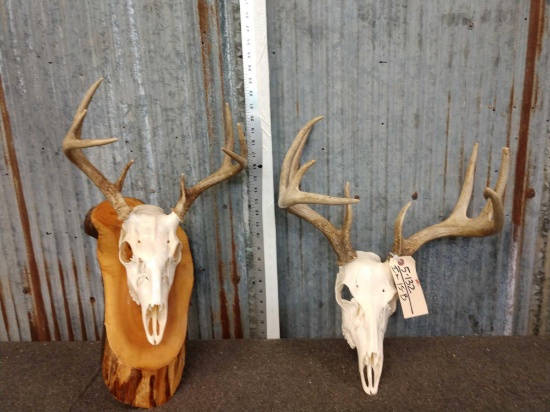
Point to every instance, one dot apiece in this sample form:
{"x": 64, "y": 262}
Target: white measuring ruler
{"x": 262, "y": 258}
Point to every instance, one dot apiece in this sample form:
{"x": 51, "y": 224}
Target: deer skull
{"x": 148, "y": 246}
{"x": 150, "y": 250}
{"x": 366, "y": 293}
{"x": 364, "y": 286}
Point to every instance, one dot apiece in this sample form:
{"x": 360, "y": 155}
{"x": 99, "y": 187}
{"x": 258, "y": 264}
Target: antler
{"x": 227, "y": 169}
{"x": 489, "y": 222}
{"x": 295, "y": 201}
{"x": 72, "y": 145}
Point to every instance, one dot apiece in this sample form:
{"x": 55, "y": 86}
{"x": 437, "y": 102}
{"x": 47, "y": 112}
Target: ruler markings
{"x": 256, "y": 261}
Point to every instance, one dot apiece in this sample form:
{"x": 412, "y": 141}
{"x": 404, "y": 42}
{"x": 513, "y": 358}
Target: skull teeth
{"x": 370, "y": 367}
{"x": 154, "y": 319}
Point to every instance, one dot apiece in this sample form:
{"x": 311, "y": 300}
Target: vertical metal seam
{"x": 39, "y": 318}
{"x": 534, "y": 42}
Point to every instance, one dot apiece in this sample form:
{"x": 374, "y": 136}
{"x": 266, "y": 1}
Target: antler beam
{"x": 488, "y": 222}
{"x": 227, "y": 170}
{"x": 294, "y": 201}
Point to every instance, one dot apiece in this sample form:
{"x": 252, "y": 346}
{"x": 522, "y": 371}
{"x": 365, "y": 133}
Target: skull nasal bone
{"x": 372, "y": 337}
{"x": 156, "y": 288}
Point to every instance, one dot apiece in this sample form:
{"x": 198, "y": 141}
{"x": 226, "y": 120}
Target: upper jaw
{"x": 154, "y": 321}
{"x": 371, "y": 365}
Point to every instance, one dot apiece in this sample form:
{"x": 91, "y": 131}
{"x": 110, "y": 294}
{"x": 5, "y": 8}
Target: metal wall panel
{"x": 169, "y": 67}
{"x": 538, "y": 189}
{"x": 407, "y": 88}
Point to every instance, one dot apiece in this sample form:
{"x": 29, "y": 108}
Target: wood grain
{"x": 138, "y": 387}
{"x": 136, "y": 372}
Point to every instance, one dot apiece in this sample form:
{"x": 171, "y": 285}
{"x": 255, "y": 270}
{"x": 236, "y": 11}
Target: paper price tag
{"x": 406, "y": 281}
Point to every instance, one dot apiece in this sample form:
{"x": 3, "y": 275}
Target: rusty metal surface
{"x": 538, "y": 188}
{"x": 407, "y": 88}
{"x": 169, "y": 67}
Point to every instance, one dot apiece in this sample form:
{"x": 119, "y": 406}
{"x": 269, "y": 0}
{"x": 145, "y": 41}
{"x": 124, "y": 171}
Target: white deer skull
{"x": 364, "y": 286}
{"x": 366, "y": 293}
{"x": 150, "y": 250}
{"x": 148, "y": 246}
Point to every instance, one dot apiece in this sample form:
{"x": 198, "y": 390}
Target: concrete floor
{"x": 420, "y": 374}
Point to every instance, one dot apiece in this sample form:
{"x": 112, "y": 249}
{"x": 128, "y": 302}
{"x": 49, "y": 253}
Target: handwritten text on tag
{"x": 410, "y": 293}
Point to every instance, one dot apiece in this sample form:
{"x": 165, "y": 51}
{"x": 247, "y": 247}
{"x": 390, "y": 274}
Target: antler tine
{"x": 291, "y": 175}
{"x": 227, "y": 169}
{"x": 120, "y": 181}
{"x": 465, "y": 196}
{"x": 294, "y": 201}
{"x": 301, "y": 140}
{"x": 501, "y": 182}
{"x": 489, "y": 222}
{"x": 291, "y": 161}
{"x": 72, "y": 145}
{"x": 348, "y": 216}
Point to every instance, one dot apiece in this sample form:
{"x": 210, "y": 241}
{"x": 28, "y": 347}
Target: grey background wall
{"x": 406, "y": 88}
{"x": 169, "y": 67}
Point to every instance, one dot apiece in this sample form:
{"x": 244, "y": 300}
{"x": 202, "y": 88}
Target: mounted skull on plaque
{"x": 147, "y": 271}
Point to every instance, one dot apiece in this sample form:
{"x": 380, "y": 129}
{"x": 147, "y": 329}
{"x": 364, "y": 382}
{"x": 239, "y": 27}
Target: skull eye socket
{"x": 345, "y": 293}
{"x": 126, "y": 254}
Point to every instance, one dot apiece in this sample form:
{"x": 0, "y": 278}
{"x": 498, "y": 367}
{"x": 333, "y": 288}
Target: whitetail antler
{"x": 72, "y": 145}
{"x": 488, "y": 222}
{"x": 227, "y": 169}
{"x": 295, "y": 201}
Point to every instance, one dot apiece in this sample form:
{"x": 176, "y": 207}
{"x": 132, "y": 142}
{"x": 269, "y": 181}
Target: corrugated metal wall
{"x": 169, "y": 66}
{"x": 406, "y": 88}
